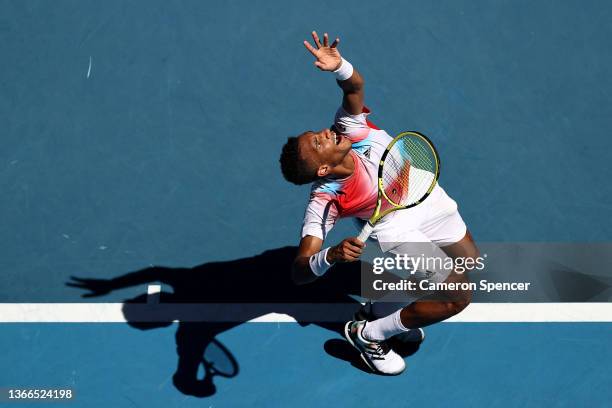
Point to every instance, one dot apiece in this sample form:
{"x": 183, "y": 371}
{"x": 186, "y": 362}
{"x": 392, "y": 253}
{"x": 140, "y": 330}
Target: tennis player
{"x": 342, "y": 164}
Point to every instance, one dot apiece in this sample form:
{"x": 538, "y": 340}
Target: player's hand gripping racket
{"x": 407, "y": 173}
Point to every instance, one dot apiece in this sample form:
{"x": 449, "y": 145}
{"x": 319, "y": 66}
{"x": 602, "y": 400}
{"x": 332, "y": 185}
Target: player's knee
{"x": 457, "y": 307}
{"x": 459, "y": 302}
{"x": 464, "y": 300}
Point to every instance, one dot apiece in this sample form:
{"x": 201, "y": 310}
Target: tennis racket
{"x": 408, "y": 171}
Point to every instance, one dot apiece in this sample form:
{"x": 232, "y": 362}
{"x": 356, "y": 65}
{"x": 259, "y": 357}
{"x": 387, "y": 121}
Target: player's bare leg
{"x": 370, "y": 337}
{"x": 441, "y": 306}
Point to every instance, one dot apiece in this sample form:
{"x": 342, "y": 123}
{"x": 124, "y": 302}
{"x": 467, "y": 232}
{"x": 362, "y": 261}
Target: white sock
{"x": 384, "y": 328}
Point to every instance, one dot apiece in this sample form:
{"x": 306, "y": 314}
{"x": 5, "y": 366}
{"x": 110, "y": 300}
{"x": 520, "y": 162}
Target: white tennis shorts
{"x": 436, "y": 220}
{"x": 419, "y": 231}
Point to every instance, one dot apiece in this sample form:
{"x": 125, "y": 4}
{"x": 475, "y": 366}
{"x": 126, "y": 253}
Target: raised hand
{"x": 327, "y": 56}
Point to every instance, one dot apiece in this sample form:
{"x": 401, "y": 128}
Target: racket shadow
{"x": 214, "y": 297}
{"x": 199, "y": 352}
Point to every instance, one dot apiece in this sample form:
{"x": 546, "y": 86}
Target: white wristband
{"x": 345, "y": 71}
{"x": 318, "y": 262}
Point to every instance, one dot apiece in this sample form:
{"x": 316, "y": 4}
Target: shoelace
{"x": 377, "y": 350}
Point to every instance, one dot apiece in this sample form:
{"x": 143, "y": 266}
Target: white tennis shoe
{"x": 377, "y": 355}
{"x": 410, "y": 336}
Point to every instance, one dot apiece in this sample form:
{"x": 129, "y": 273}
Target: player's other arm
{"x": 328, "y": 58}
{"x": 348, "y": 250}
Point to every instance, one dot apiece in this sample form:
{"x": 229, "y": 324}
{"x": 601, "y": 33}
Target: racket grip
{"x": 365, "y": 232}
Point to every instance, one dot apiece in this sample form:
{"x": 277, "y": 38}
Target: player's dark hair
{"x": 294, "y": 168}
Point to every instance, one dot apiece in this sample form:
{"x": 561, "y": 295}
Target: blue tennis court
{"x": 140, "y": 145}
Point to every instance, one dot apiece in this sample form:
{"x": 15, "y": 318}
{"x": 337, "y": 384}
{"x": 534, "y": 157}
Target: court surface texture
{"x": 140, "y": 145}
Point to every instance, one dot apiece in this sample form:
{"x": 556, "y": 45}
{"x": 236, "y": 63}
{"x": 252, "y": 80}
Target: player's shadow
{"x": 214, "y": 297}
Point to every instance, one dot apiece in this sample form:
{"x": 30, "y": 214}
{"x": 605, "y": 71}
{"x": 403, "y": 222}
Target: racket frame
{"x": 377, "y": 215}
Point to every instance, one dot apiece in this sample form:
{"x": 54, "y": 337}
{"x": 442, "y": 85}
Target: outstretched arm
{"x": 328, "y": 58}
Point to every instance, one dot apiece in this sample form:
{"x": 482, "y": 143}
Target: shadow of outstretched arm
{"x": 242, "y": 289}
{"x": 214, "y": 297}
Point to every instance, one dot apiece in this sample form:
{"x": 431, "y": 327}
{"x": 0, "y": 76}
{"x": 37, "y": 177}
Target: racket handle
{"x": 365, "y": 232}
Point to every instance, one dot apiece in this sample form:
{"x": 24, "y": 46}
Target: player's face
{"x": 324, "y": 149}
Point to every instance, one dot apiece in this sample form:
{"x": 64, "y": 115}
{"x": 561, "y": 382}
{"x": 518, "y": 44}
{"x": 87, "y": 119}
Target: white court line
{"x": 114, "y": 312}
{"x": 153, "y": 293}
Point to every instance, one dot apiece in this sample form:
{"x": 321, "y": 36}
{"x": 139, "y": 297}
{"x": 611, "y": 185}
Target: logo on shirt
{"x": 367, "y": 152}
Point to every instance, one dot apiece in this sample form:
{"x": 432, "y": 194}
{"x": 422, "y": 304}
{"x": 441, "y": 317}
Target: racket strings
{"x": 422, "y": 178}
{"x": 408, "y": 170}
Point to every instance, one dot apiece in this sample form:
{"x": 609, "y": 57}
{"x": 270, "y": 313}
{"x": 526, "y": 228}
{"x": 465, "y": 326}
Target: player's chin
{"x": 344, "y": 144}
{"x": 342, "y": 151}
